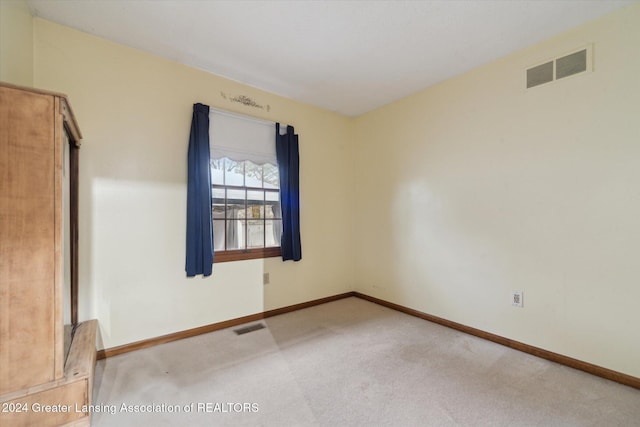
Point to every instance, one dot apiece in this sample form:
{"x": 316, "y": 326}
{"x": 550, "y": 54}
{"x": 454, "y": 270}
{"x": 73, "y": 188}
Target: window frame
{"x": 246, "y": 253}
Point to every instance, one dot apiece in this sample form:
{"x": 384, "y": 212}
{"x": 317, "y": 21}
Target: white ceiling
{"x": 345, "y": 56}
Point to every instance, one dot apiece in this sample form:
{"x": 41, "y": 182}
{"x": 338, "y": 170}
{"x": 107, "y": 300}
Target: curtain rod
{"x": 246, "y": 117}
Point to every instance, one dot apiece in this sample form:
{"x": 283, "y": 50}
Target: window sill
{"x": 244, "y": 254}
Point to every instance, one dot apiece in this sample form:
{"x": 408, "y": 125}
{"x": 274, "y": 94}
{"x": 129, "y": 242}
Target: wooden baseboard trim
{"x": 599, "y": 371}
{"x": 138, "y": 345}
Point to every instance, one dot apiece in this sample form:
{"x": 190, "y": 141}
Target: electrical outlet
{"x": 517, "y": 298}
{"x": 265, "y": 278}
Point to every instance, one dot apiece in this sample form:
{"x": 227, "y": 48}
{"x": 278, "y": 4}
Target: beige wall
{"x": 134, "y": 110}
{"x": 16, "y": 43}
{"x": 476, "y": 187}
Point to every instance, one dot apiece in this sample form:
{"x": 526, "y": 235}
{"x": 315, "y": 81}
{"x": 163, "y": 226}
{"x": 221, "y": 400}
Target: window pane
{"x": 218, "y": 203}
{"x": 255, "y": 204}
{"x": 273, "y": 231}
{"x": 235, "y": 204}
{"x": 218, "y": 235}
{"x": 271, "y": 179}
{"x": 217, "y": 171}
{"x": 272, "y": 205}
{"x": 234, "y": 173}
{"x": 235, "y": 234}
{"x": 272, "y": 196}
{"x": 255, "y": 230}
{"x": 253, "y": 174}
{"x": 272, "y": 210}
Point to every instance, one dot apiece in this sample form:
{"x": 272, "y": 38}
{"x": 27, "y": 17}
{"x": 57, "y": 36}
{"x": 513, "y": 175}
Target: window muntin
{"x": 246, "y": 209}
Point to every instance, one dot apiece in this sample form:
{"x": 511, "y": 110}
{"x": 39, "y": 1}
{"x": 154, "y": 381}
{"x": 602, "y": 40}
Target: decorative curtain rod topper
{"x": 245, "y": 100}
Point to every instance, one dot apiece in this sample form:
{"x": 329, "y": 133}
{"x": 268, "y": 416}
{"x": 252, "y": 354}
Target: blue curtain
{"x": 199, "y": 226}
{"x": 289, "y": 168}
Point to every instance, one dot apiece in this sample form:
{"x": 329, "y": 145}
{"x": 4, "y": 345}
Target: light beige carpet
{"x": 351, "y": 363}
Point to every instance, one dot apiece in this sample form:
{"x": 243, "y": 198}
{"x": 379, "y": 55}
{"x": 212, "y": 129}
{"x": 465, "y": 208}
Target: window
{"x": 246, "y": 215}
{"x": 247, "y": 222}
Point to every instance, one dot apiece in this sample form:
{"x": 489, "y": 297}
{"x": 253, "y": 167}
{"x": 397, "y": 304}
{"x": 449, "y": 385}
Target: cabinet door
{"x": 27, "y": 239}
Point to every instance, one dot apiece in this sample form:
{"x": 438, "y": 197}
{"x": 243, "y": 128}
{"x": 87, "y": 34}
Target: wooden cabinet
{"x": 37, "y": 133}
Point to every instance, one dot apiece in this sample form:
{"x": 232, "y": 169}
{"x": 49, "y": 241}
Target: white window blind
{"x": 241, "y": 138}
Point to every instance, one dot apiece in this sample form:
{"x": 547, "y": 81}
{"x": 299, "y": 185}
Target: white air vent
{"x": 574, "y": 63}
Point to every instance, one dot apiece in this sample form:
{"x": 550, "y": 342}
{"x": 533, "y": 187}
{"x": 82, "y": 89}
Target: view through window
{"x": 245, "y": 206}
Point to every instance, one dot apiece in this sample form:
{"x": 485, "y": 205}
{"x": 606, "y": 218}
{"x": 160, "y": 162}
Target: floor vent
{"x": 249, "y": 328}
{"x": 574, "y": 63}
